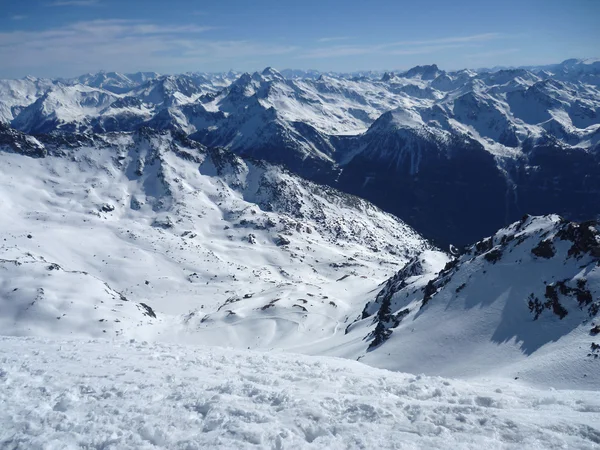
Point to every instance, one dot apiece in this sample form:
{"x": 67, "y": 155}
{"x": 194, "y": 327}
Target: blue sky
{"x": 70, "y": 37}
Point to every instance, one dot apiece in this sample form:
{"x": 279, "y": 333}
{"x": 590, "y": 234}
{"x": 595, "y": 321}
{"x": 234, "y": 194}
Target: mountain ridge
{"x": 329, "y": 129}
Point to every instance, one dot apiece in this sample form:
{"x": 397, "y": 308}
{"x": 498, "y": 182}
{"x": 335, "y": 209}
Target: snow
{"x": 245, "y": 112}
{"x": 479, "y": 322}
{"x": 131, "y": 394}
{"x": 406, "y": 118}
{"x": 172, "y": 230}
{"x": 143, "y": 248}
{"x": 41, "y": 298}
{"x": 19, "y": 94}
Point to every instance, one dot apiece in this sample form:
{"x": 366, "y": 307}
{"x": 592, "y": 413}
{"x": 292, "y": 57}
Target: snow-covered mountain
{"x": 143, "y": 220}
{"x": 575, "y": 70}
{"x": 15, "y": 95}
{"x": 151, "y": 234}
{"x": 523, "y": 303}
{"x": 426, "y": 136}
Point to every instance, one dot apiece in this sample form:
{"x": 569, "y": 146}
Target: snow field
{"x": 127, "y": 394}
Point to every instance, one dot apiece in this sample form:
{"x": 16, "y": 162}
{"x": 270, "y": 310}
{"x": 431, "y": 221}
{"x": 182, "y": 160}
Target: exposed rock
{"x": 282, "y": 241}
{"x": 544, "y": 249}
{"x": 165, "y": 223}
{"x": 107, "y": 207}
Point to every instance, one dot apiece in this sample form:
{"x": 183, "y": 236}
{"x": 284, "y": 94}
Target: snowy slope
{"x": 523, "y": 303}
{"x": 18, "y": 94}
{"x": 221, "y": 249}
{"x": 38, "y": 297}
{"x": 64, "y": 107}
{"x": 139, "y": 395}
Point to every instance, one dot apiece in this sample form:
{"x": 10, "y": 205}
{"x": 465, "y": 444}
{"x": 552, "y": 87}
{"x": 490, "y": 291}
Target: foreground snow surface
{"x": 127, "y": 394}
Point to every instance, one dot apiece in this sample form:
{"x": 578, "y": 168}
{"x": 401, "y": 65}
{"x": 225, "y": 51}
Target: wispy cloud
{"x": 336, "y": 51}
{"x": 453, "y": 39}
{"x": 492, "y": 53}
{"x": 412, "y": 47}
{"x": 131, "y": 45}
{"x": 74, "y": 3}
{"x": 123, "y": 45}
{"x": 333, "y": 39}
{"x": 18, "y": 17}
{"x": 423, "y": 50}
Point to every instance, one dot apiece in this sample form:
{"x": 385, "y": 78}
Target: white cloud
{"x": 333, "y": 39}
{"x": 492, "y": 53}
{"x": 414, "y": 47}
{"x": 18, "y": 17}
{"x": 123, "y": 45}
{"x": 423, "y": 50}
{"x": 453, "y": 39}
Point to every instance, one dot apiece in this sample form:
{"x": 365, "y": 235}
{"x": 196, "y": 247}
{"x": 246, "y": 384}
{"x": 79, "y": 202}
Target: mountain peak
{"x": 271, "y": 74}
{"x": 425, "y": 72}
{"x": 270, "y": 71}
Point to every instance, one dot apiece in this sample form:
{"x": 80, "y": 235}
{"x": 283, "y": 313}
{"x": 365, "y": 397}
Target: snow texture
{"x": 221, "y": 250}
{"x": 110, "y": 395}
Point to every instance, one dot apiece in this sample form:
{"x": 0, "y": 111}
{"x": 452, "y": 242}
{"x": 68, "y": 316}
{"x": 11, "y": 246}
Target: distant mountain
{"x": 574, "y": 69}
{"x": 111, "y": 81}
{"x": 15, "y": 95}
{"x": 455, "y": 154}
{"x": 302, "y": 74}
{"x": 423, "y": 72}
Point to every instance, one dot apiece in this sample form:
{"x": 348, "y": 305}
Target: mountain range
{"x": 186, "y": 258}
{"x": 149, "y": 234}
{"x": 413, "y": 143}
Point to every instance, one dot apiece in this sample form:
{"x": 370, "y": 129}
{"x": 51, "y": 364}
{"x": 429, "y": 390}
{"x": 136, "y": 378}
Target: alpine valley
{"x": 214, "y": 252}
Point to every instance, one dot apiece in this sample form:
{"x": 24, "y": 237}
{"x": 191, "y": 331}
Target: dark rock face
{"x": 455, "y": 197}
{"x": 147, "y": 310}
{"x": 584, "y": 236}
{"x": 20, "y": 142}
{"x": 544, "y": 249}
{"x": 282, "y": 241}
{"x": 558, "y": 179}
{"x": 107, "y": 207}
